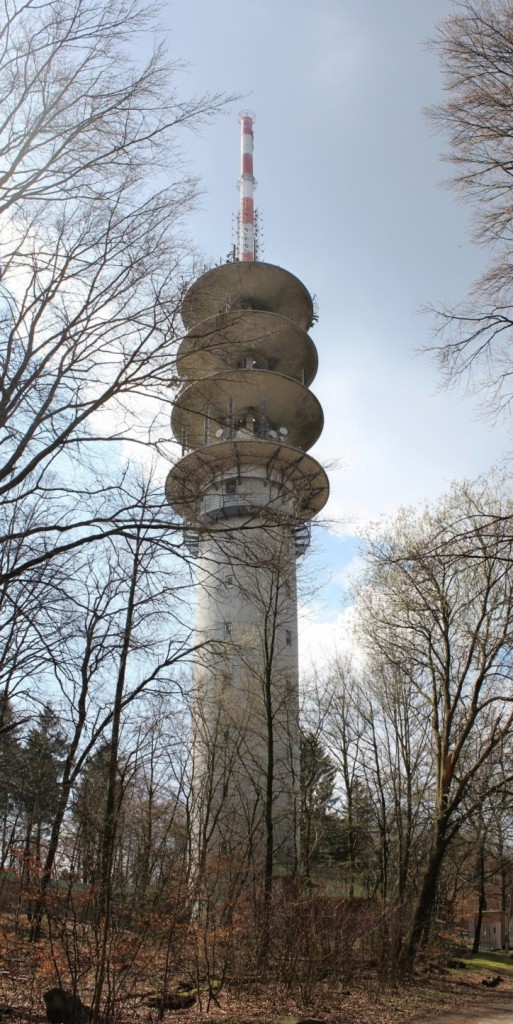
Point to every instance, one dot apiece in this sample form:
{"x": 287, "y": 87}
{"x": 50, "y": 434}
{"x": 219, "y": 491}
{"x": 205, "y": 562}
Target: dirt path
{"x": 499, "y": 1013}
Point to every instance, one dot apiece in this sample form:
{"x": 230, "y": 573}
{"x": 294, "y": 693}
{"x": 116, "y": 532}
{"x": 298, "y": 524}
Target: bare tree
{"x": 437, "y": 603}
{"x": 397, "y": 768}
{"x": 345, "y": 728}
{"x": 92, "y": 195}
{"x": 475, "y": 47}
{"x": 127, "y": 636}
{"x": 317, "y": 798}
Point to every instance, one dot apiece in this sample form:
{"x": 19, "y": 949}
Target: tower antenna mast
{"x": 247, "y": 184}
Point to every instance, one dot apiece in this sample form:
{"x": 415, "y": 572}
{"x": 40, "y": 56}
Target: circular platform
{"x": 252, "y": 286}
{"x": 287, "y": 404}
{"x": 191, "y": 476}
{"x": 222, "y": 340}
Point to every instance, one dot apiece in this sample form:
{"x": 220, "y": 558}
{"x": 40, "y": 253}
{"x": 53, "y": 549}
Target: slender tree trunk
{"x": 7, "y": 850}
{"x": 482, "y": 901}
{"x": 109, "y": 830}
{"x": 68, "y": 778}
{"x": 265, "y": 937}
{"x": 26, "y": 874}
{"x": 421, "y": 921}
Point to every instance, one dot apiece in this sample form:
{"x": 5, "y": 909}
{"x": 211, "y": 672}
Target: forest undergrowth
{"x": 136, "y": 968}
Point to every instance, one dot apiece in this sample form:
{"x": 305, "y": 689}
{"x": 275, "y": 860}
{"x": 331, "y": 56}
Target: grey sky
{"x": 351, "y": 201}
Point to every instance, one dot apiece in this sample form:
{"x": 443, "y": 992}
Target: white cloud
{"x": 321, "y": 641}
{"x": 326, "y": 624}
{"x": 397, "y": 439}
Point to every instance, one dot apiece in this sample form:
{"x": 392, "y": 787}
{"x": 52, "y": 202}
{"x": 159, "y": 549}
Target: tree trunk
{"x": 109, "y": 831}
{"x": 482, "y": 901}
{"x": 69, "y": 775}
{"x": 265, "y": 935}
{"x": 421, "y": 921}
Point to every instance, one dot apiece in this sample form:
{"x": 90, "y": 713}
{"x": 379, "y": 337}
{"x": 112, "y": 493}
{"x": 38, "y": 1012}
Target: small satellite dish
{"x": 272, "y": 433}
{"x": 283, "y": 431}
{"x": 220, "y": 432}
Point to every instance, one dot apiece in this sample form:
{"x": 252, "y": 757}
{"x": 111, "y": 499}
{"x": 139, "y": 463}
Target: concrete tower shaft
{"x": 247, "y": 489}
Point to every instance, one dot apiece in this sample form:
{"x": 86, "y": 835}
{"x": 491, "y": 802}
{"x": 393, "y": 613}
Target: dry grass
{"x": 26, "y": 970}
{"x": 424, "y": 998}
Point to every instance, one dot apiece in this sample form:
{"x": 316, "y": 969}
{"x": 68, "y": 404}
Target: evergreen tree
{"x": 10, "y": 758}
{"x": 321, "y": 827}
{"x": 37, "y": 782}
{"x": 88, "y": 811}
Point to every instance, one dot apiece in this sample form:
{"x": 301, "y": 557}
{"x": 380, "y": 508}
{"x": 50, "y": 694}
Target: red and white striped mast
{"x": 247, "y": 246}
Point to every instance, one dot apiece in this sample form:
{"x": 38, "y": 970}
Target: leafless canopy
{"x": 92, "y": 197}
{"x": 475, "y": 47}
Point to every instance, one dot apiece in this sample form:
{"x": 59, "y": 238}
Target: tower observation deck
{"x": 247, "y": 490}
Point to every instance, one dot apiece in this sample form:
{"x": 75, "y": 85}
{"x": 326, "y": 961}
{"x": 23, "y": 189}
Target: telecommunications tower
{"x": 247, "y": 491}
